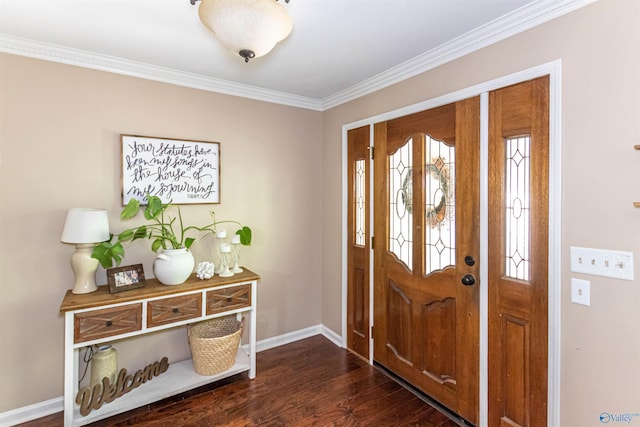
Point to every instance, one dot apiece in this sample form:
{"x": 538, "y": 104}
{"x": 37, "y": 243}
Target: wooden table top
{"x": 152, "y": 289}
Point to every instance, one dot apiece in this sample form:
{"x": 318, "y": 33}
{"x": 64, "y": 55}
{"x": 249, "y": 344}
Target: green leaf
{"x": 100, "y": 250}
{"x": 131, "y": 209}
{"x": 188, "y": 242}
{"x": 141, "y": 232}
{"x": 126, "y": 236}
{"x": 154, "y": 207}
{"x": 106, "y": 253}
{"x": 157, "y": 244}
{"x": 245, "y": 235}
{"x": 117, "y": 250}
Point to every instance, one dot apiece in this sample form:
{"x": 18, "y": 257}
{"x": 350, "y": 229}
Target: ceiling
{"x": 338, "y": 49}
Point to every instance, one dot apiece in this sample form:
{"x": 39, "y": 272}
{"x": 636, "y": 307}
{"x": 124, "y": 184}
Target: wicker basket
{"x": 214, "y": 344}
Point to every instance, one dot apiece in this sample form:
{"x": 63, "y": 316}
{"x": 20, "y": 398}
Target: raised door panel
{"x": 515, "y": 375}
{"x": 421, "y": 340}
{"x": 399, "y": 325}
{"x": 439, "y": 326}
{"x": 358, "y": 312}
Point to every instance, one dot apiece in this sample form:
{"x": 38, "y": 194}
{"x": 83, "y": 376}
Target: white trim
{"x": 345, "y": 233}
{"x": 31, "y": 412}
{"x": 511, "y": 79}
{"x": 52, "y": 406}
{"x": 554, "y": 70}
{"x": 298, "y": 335}
{"x": 330, "y": 335}
{"x": 483, "y": 356}
{"x": 522, "y": 19}
{"x": 80, "y": 58}
{"x": 555, "y": 243}
{"x": 372, "y": 294}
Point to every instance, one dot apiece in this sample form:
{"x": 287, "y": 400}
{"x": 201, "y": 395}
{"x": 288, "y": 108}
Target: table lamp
{"x": 85, "y": 227}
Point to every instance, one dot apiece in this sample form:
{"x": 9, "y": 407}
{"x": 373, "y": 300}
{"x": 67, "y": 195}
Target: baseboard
{"x": 31, "y": 412}
{"x": 299, "y": 335}
{"x": 331, "y": 336}
{"x": 42, "y": 409}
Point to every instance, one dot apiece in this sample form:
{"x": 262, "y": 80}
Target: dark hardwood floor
{"x": 310, "y": 382}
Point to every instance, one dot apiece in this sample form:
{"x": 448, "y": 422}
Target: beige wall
{"x": 600, "y": 49}
{"x": 59, "y": 123}
{"x": 59, "y": 136}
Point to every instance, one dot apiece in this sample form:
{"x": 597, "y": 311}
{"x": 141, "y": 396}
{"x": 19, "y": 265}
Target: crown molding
{"x": 80, "y": 58}
{"x": 520, "y": 20}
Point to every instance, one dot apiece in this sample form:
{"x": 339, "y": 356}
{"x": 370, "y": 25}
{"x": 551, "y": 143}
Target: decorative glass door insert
{"x": 401, "y": 204}
{"x": 360, "y": 202}
{"x": 439, "y": 188}
{"x": 517, "y": 189}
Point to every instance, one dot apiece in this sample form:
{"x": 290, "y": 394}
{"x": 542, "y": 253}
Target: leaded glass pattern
{"x": 400, "y": 204}
{"x": 517, "y": 206}
{"x": 439, "y": 196}
{"x": 360, "y": 202}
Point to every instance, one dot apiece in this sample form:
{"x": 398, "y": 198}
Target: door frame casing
{"x": 554, "y": 70}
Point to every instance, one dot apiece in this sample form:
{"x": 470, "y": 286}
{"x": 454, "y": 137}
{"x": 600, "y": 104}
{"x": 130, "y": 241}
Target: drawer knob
{"x": 109, "y": 323}
{"x": 175, "y": 310}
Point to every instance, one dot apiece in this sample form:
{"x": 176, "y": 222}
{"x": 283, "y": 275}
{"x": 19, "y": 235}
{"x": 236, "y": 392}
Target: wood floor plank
{"x": 310, "y": 382}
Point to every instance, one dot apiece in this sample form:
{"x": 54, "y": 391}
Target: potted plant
{"x": 169, "y": 233}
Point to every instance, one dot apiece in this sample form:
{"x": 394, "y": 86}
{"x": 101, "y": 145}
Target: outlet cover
{"x": 581, "y": 291}
{"x": 600, "y": 262}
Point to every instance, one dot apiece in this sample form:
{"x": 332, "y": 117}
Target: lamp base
{"x": 84, "y": 267}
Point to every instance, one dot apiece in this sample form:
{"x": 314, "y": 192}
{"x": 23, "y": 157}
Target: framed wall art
{"x": 125, "y": 278}
{"x": 178, "y": 171}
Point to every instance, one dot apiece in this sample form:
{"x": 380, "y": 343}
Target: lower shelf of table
{"x": 180, "y": 377}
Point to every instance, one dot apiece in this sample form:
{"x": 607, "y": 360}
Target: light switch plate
{"x": 581, "y": 291}
{"x": 600, "y": 262}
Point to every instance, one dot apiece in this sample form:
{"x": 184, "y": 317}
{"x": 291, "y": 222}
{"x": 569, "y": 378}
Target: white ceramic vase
{"x": 173, "y": 266}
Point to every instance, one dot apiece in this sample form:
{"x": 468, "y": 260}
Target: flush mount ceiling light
{"x": 250, "y": 28}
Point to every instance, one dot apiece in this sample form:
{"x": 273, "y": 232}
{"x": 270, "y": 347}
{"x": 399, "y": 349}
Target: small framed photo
{"x": 125, "y": 278}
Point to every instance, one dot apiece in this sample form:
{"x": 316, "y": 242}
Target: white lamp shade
{"x": 255, "y": 25}
{"x": 86, "y": 225}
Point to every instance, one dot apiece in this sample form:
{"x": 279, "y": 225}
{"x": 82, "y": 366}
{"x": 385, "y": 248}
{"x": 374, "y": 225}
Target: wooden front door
{"x": 359, "y": 242}
{"x": 518, "y": 253}
{"x": 426, "y": 236}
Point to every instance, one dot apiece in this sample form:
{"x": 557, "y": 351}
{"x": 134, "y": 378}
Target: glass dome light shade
{"x": 255, "y": 25}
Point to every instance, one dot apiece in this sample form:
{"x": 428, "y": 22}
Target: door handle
{"x": 468, "y": 280}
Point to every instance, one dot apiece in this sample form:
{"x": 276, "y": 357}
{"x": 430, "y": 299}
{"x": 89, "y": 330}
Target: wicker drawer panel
{"x": 170, "y": 310}
{"x": 107, "y": 322}
{"x": 228, "y": 299}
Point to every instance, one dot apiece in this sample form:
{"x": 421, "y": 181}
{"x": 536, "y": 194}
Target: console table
{"x": 100, "y": 317}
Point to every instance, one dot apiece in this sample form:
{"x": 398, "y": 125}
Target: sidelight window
{"x": 359, "y": 201}
{"x": 517, "y": 198}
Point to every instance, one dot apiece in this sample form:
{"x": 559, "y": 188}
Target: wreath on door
{"x": 439, "y": 171}
{"x": 437, "y": 212}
